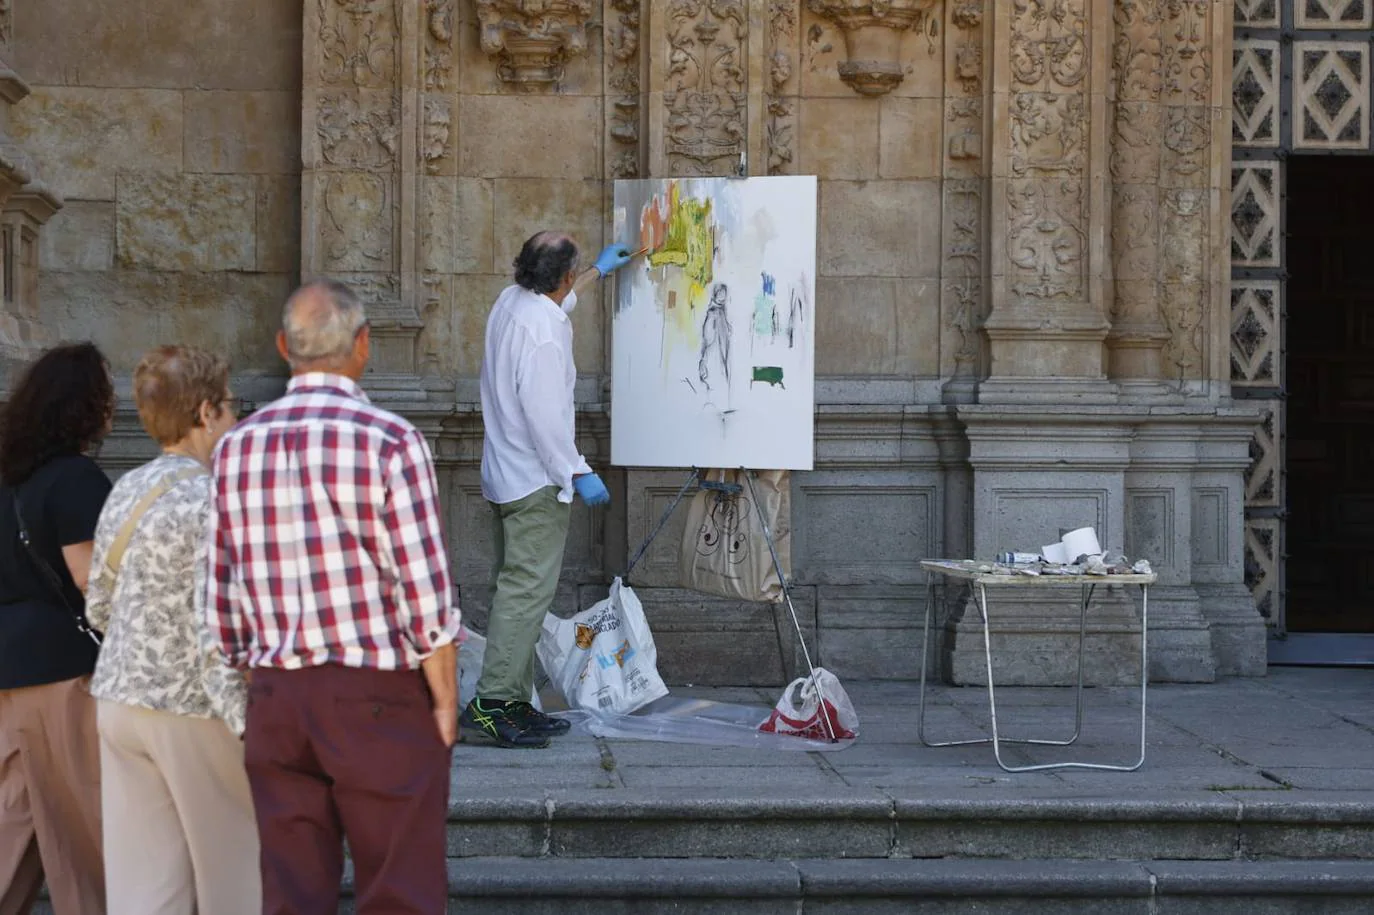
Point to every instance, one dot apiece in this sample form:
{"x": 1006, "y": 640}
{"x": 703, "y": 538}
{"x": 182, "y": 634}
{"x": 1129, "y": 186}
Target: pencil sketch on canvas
{"x": 713, "y": 338}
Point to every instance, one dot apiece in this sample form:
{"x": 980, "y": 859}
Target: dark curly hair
{"x": 544, "y": 260}
{"x": 61, "y": 405}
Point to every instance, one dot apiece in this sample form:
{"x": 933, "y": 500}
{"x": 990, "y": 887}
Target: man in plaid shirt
{"x": 328, "y": 581}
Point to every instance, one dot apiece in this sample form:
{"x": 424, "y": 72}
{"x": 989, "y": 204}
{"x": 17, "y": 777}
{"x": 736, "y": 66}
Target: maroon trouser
{"x": 335, "y": 752}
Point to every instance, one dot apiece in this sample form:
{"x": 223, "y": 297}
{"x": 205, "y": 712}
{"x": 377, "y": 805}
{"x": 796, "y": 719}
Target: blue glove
{"x": 612, "y": 257}
{"x": 591, "y": 489}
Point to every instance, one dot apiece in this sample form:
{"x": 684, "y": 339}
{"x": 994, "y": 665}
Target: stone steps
{"x": 864, "y": 825}
{"x": 595, "y": 886}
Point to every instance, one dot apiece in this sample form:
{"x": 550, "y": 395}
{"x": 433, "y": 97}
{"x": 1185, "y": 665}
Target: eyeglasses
{"x": 233, "y": 403}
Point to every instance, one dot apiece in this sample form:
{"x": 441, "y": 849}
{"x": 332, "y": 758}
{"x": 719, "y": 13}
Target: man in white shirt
{"x": 530, "y": 470}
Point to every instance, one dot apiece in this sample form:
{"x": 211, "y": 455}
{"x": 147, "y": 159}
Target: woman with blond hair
{"x": 51, "y": 495}
{"x": 180, "y": 834}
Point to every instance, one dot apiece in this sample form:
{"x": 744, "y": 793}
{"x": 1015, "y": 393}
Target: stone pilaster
{"x": 1165, "y": 197}
{"x": 963, "y": 284}
{"x": 1050, "y": 66}
{"x": 361, "y": 132}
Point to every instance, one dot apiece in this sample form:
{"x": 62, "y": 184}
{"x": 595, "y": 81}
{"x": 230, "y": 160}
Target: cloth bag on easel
{"x": 724, "y": 550}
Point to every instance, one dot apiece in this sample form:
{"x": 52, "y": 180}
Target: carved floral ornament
{"x": 873, "y": 33}
{"x": 532, "y": 40}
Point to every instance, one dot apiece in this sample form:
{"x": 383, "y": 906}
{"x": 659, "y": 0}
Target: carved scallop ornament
{"x": 531, "y": 40}
{"x": 873, "y": 33}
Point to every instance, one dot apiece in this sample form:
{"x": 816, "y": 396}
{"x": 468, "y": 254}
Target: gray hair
{"x": 321, "y": 320}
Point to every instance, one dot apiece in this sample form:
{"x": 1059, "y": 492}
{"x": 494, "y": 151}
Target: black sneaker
{"x": 500, "y": 723}
{"x": 536, "y": 722}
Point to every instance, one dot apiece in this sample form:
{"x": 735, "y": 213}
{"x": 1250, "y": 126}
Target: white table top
{"x": 988, "y": 573}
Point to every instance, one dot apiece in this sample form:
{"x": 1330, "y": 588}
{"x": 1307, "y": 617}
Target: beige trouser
{"x": 50, "y": 799}
{"x": 180, "y": 834}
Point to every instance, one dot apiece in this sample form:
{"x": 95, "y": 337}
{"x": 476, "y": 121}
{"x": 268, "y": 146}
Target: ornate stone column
{"x": 1050, "y": 204}
{"x": 362, "y": 80}
{"x": 1162, "y": 204}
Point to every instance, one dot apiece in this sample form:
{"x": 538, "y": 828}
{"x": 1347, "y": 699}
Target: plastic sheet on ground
{"x": 699, "y": 721}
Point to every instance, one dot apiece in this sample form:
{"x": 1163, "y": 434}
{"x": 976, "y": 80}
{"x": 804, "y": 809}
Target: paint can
{"x": 1017, "y": 559}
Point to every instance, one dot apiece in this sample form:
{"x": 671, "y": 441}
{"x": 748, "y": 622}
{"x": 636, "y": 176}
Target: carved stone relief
{"x": 782, "y": 65}
{"x": 964, "y": 263}
{"x": 1187, "y": 66}
{"x": 1137, "y": 53}
{"x": 532, "y": 40}
{"x": 1255, "y": 93}
{"x": 1255, "y": 310}
{"x": 1049, "y": 44}
{"x": 1255, "y": 214}
{"x": 354, "y": 135}
{"x": 1183, "y": 254}
{"x": 1135, "y": 232}
{"x": 1047, "y": 134}
{"x": 705, "y": 92}
{"x": 6, "y": 22}
{"x": 438, "y": 128}
{"x": 358, "y": 43}
{"x": 357, "y": 233}
{"x": 623, "y": 61}
{"x": 1135, "y": 151}
{"x": 1331, "y": 94}
{"x": 873, "y": 33}
{"x": 1187, "y": 143}
{"x": 965, "y": 115}
{"x": 1182, "y": 308}
{"x": 438, "y": 44}
{"x": 1046, "y": 241}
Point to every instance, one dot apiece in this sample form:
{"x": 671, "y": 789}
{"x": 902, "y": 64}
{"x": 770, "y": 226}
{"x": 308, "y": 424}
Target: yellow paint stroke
{"x": 680, "y": 233}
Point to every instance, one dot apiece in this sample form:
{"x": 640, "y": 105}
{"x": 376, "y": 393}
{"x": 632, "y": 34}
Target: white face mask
{"x": 569, "y": 303}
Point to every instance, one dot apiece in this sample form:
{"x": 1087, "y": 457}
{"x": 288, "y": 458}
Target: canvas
{"x": 713, "y": 337}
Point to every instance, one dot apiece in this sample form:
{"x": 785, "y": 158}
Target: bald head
{"x": 545, "y": 261}
{"x": 320, "y": 326}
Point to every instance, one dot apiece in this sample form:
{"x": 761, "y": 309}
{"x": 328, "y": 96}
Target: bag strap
{"x": 49, "y": 574}
{"x": 115, "y": 555}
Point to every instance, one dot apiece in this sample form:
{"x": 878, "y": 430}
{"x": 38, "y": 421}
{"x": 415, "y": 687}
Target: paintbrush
{"x": 641, "y": 252}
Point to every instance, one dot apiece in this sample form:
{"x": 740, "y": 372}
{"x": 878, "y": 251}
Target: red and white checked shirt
{"x": 325, "y": 542}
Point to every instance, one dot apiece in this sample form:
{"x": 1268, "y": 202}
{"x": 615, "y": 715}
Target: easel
{"x": 696, "y": 480}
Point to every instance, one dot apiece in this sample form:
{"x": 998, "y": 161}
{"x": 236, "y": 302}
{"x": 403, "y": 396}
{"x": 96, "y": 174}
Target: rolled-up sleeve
{"x": 427, "y": 611}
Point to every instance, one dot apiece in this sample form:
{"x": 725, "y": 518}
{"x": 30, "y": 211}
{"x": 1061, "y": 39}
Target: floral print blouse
{"x": 157, "y": 653}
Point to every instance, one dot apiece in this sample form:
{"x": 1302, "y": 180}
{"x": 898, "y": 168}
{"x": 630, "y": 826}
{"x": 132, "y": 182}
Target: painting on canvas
{"x": 713, "y": 338}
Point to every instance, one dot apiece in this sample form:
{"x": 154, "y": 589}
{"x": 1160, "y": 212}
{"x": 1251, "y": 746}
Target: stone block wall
{"x": 1003, "y": 238}
{"x": 173, "y": 130}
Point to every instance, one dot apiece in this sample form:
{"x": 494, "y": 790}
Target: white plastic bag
{"x": 470, "y": 653}
{"x": 603, "y": 659}
{"x": 798, "y": 712}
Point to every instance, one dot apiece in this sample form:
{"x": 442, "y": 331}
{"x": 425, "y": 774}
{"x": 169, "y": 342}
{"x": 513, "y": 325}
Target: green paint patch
{"x": 769, "y": 374}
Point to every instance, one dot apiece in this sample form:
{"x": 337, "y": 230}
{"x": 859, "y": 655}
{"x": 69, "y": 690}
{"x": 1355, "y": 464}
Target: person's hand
{"x": 447, "y": 720}
{"x": 591, "y": 489}
{"x": 612, "y": 257}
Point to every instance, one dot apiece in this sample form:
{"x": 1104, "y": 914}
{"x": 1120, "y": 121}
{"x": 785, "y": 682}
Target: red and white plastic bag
{"x": 799, "y": 711}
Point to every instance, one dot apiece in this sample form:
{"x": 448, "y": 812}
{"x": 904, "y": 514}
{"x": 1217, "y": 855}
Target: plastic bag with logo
{"x": 603, "y": 659}
{"x": 799, "y": 710}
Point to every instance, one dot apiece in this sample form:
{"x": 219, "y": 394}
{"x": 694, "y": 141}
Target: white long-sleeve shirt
{"x": 527, "y": 398}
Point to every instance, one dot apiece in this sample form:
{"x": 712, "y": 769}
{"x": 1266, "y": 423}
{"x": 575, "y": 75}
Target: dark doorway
{"x": 1330, "y": 382}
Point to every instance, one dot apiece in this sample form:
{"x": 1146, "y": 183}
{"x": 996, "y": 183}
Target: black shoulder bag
{"x": 50, "y": 574}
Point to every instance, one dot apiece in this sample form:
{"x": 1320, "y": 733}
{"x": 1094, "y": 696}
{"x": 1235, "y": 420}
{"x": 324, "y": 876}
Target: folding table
{"x": 975, "y": 573}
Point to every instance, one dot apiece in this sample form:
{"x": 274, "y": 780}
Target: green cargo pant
{"x": 528, "y": 536}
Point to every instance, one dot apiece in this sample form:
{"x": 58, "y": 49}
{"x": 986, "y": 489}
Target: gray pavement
{"x": 1297, "y": 735}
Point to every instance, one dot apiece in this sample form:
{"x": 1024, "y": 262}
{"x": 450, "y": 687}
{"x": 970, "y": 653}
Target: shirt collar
{"x": 547, "y": 302}
{"x": 316, "y": 380}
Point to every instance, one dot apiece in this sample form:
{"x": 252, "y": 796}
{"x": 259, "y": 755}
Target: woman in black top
{"x": 49, "y": 757}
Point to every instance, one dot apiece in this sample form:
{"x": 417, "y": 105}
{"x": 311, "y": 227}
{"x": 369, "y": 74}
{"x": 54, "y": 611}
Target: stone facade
{"x": 1022, "y": 306}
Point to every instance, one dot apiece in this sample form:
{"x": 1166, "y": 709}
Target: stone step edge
{"x": 637, "y": 878}
{"x": 627, "y": 805}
